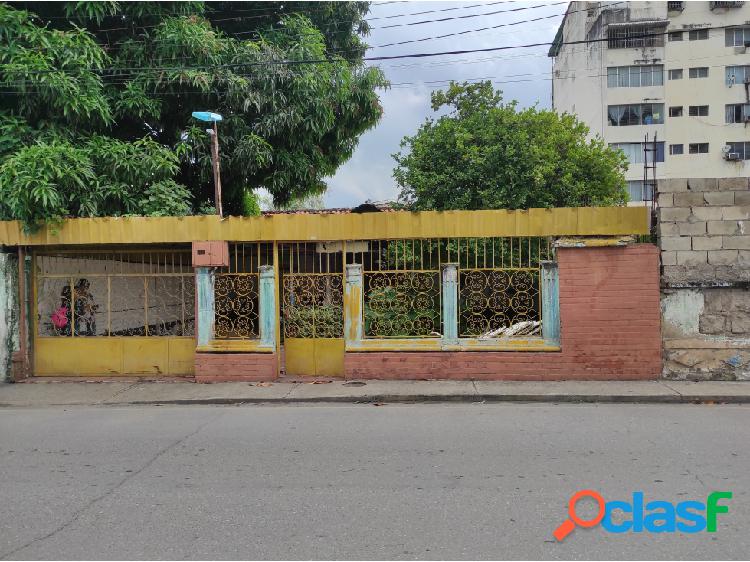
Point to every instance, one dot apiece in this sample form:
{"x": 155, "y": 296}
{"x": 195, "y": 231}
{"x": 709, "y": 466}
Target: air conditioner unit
{"x": 733, "y": 156}
{"x": 740, "y": 50}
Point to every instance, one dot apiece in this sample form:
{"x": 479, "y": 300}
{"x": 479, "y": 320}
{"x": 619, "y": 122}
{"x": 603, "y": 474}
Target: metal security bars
{"x": 401, "y": 281}
{"x": 236, "y": 291}
{"x": 312, "y": 294}
{"x": 115, "y": 293}
{"x": 498, "y": 284}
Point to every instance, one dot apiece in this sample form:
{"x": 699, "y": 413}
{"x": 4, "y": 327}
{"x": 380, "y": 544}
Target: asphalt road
{"x": 466, "y": 481}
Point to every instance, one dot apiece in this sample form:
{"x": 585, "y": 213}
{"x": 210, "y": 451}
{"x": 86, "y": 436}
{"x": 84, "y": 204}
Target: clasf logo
{"x": 655, "y": 517}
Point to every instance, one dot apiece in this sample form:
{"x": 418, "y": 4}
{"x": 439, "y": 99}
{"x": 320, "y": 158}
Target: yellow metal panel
{"x": 145, "y": 355}
{"x": 585, "y": 221}
{"x": 77, "y": 356}
{"x": 113, "y": 356}
{"x": 329, "y": 357}
{"x": 181, "y": 356}
{"x": 299, "y": 356}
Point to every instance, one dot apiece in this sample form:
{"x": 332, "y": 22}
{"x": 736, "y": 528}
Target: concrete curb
{"x": 426, "y": 398}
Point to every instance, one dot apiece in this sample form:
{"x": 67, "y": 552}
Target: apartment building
{"x": 677, "y": 72}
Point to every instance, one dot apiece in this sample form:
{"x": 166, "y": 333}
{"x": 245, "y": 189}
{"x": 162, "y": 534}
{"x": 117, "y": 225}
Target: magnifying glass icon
{"x": 569, "y": 524}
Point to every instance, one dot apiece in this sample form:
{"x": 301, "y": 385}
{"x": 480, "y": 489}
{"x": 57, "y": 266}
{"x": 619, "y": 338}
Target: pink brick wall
{"x": 231, "y": 367}
{"x": 610, "y": 315}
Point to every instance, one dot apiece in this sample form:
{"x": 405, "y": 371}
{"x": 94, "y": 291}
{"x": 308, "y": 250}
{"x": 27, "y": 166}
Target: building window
{"x": 634, "y": 151}
{"x": 741, "y": 148}
{"x": 699, "y": 72}
{"x": 737, "y": 74}
{"x": 698, "y": 148}
{"x": 640, "y": 191}
{"x": 698, "y": 111}
{"x": 675, "y": 111}
{"x": 738, "y": 113}
{"x": 636, "y": 114}
{"x": 676, "y": 149}
{"x": 635, "y": 76}
{"x": 675, "y": 74}
{"x": 698, "y": 34}
{"x": 632, "y": 35}
{"x": 737, "y": 37}
{"x": 675, "y": 36}
{"x": 675, "y": 6}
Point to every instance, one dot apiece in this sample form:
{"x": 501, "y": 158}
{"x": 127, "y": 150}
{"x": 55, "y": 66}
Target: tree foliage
{"x": 486, "y": 154}
{"x": 96, "y": 114}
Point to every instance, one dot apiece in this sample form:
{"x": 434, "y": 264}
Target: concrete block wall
{"x": 704, "y": 236}
{"x": 609, "y": 314}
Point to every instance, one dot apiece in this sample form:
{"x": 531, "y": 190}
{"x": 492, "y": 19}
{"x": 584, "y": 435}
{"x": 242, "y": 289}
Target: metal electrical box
{"x": 211, "y": 253}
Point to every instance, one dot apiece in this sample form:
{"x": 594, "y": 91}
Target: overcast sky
{"x": 522, "y": 74}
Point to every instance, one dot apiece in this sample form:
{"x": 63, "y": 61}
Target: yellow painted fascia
{"x": 235, "y": 346}
{"x": 463, "y": 344}
{"x": 593, "y": 241}
{"x": 580, "y": 221}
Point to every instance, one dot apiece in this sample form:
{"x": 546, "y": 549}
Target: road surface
{"x": 456, "y": 481}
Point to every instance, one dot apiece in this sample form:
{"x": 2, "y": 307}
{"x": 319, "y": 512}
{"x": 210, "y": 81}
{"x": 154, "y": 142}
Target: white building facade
{"x": 675, "y": 71}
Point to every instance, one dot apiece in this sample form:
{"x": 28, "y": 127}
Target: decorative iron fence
{"x": 312, "y": 289}
{"x": 498, "y": 285}
{"x": 236, "y": 291}
{"x": 115, "y": 293}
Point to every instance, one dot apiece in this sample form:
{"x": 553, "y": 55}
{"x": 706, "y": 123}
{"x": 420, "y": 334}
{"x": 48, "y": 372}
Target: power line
{"x": 457, "y": 33}
{"x": 441, "y": 10}
{"x": 429, "y": 54}
{"x": 470, "y": 15}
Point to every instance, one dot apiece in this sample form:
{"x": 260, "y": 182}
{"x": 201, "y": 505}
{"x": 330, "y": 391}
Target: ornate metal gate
{"x": 312, "y": 301}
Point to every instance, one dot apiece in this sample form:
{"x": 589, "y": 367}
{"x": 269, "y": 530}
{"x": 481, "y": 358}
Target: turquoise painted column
{"x": 267, "y": 312}
{"x": 204, "y": 287}
{"x": 353, "y": 303}
{"x": 450, "y": 303}
{"x": 550, "y": 302}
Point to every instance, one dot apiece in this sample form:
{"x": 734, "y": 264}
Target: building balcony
{"x": 675, "y": 6}
{"x": 724, "y": 5}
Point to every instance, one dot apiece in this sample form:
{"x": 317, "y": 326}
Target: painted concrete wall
{"x": 9, "y": 311}
{"x": 580, "y": 82}
{"x": 610, "y": 329}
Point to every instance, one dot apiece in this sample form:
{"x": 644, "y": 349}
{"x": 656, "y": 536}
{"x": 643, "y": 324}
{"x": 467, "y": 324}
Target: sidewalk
{"x": 40, "y": 392}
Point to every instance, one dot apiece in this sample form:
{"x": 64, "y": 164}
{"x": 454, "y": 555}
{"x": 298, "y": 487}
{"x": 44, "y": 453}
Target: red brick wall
{"x": 231, "y": 367}
{"x": 610, "y": 329}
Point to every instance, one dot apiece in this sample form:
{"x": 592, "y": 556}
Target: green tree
{"x": 95, "y": 117}
{"x": 486, "y": 154}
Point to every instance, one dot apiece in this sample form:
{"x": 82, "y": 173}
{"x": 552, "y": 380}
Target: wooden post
{"x": 450, "y": 303}
{"x": 267, "y": 299}
{"x": 217, "y": 170}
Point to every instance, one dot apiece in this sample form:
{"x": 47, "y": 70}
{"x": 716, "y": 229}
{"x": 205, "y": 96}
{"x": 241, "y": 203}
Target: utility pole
{"x": 217, "y": 169}
{"x": 213, "y": 118}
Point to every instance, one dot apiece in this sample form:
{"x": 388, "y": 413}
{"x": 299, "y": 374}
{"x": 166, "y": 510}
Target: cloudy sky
{"x": 522, "y": 74}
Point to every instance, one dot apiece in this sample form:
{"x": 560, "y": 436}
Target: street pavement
{"x": 426, "y": 481}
